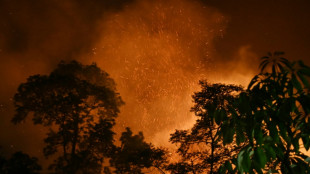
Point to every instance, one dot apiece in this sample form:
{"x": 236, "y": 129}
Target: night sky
{"x": 155, "y": 50}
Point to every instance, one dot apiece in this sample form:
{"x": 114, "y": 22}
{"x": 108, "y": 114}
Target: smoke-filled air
{"x": 160, "y": 54}
{"x": 157, "y": 51}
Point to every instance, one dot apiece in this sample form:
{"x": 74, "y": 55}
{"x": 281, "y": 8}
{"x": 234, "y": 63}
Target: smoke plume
{"x": 157, "y": 51}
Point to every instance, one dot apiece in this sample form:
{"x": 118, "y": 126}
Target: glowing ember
{"x": 157, "y": 51}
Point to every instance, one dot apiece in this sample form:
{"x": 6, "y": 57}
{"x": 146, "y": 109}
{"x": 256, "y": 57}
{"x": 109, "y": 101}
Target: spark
{"x": 157, "y": 51}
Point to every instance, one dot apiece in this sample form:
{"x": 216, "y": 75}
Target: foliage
{"x": 79, "y": 105}
{"x": 135, "y": 154}
{"x": 276, "y": 60}
{"x": 201, "y": 148}
{"x": 273, "y": 116}
{"x": 19, "y": 163}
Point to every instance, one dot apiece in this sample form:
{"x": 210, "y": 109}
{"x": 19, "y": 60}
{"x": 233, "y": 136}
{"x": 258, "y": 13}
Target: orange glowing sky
{"x": 155, "y": 50}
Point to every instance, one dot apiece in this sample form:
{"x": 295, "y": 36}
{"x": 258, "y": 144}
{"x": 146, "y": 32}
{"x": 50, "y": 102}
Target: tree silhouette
{"x": 273, "y": 113}
{"x": 135, "y": 154}
{"x": 276, "y": 60}
{"x": 201, "y": 148}
{"x": 19, "y": 163}
{"x": 79, "y": 104}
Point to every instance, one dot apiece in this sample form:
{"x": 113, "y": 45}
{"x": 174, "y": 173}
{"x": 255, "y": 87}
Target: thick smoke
{"x": 157, "y": 51}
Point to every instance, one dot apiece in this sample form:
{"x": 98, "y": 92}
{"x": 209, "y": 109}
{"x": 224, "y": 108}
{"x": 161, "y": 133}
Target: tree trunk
{"x": 212, "y": 147}
{"x": 74, "y": 161}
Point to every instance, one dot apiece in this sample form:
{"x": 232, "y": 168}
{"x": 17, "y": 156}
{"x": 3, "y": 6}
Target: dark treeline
{"x": 261, "y": 129}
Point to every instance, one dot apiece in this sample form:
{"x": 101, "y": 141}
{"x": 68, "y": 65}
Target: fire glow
{"x": 157, "y": 51}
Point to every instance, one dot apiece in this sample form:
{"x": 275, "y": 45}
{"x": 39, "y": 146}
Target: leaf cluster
{"x": 273, "y": 116}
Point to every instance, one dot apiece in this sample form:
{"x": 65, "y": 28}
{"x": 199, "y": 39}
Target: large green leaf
{"x": 244, "y": 162}
{"x": 283, "y": 132}
{"x": 228, "y": 166}
{"x": 220, "y": 115}
{"x": 260, "y": 156}
{"x": 306, "y": 141}
{"x": 268, "y": 140}
{"x": 295, "y": 143}
{"x": 270, "y": 153}
{"x": 296, "y": 83}
{"x": 228, "y": 132}
{"x": 307, "y": 159}
{"x": 258, "y": 135}
{"x": 217, "y": 117}
{"x": 285, "y": 110}
{"x": 303, "y": 79}
{"x": 279, "y": 152}
{"x": 304, "y": 100}
{"x": 239, "y": 135}
{"x": 273, "y": 131}
{"x": 240, "y": 160}
{"x": 244, "y": 103}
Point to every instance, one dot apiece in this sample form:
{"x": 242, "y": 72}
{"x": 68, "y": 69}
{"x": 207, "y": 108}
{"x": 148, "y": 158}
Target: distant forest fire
{"x": 160, "y": 54}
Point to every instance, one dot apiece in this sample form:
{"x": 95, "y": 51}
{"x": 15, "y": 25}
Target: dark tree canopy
{"x": 79, "y": 104}
{"x": 201, "y": 148}
{"x": 19, "y": 163}
{"x": 134, "y": 154}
